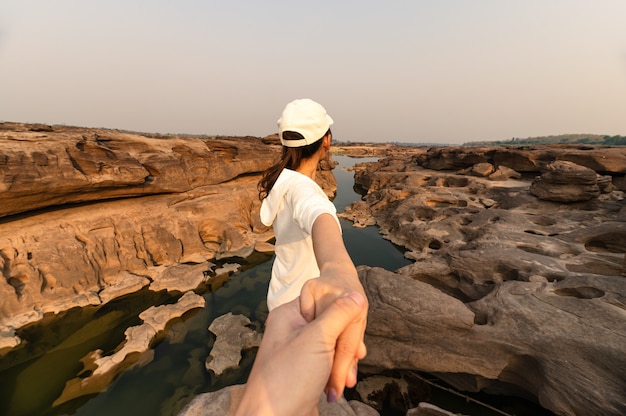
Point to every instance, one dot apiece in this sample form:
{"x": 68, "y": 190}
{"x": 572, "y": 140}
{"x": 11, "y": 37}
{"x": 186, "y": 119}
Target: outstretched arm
{"x": 338, "y": 277}
{"x": 295, "y": 358}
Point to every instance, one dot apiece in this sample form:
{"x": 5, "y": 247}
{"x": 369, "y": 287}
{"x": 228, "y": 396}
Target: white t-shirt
{"x": 292, "y": 206}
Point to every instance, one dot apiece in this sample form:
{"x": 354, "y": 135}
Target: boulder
{"x": 566, "y": 182}
{"x": 508, "y": 293}
{"x": 504, "y": 173}
{"x": 550, "y": 341}
{"x": 233, "y": 336}
{"x": 482, "y": 170}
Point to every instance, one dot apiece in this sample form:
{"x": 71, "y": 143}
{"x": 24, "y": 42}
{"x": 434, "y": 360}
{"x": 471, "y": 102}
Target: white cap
{"x": 306, "y": 117}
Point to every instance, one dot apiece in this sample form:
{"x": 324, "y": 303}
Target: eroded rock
{"x": 520, "y": 284}
{"x": 69, "y": 164}
{"x": 566, "y": 182}
{"x": 233, "y": 336}
{"x": 98, "y": 370}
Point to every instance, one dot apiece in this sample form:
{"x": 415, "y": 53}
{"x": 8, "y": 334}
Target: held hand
{"x": 295, "y": 358}
{"x": 317, "y": 295}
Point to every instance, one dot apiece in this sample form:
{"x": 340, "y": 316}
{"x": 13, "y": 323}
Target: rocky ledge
{"x": 513, "y": 290}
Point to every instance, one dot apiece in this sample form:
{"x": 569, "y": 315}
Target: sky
{"x": 440, "y": 71}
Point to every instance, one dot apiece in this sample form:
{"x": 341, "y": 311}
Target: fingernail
{"x": 331, "y": 397}
{"x": 357, "y": 297}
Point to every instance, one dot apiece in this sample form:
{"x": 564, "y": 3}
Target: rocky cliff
{"x": 512, "y": 289}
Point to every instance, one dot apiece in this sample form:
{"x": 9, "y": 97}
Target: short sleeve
{"x": 309, "y": 202}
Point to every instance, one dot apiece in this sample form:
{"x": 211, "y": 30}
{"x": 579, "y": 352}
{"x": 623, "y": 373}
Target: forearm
{"x": 332, "y": 257}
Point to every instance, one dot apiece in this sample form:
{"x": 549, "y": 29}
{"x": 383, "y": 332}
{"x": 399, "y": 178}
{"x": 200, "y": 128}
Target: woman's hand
{"x": 317, "y": 295}
{"x": 295, "y": 358}
{"x": 338, "y": 277}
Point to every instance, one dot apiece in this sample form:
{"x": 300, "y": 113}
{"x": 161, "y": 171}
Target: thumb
{"x": 341, "y": 313}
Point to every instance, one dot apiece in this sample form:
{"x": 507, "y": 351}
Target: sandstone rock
{"x": 98, "y": 370}
{"x": 69, "y": 164}
{"x": 531, "y": 336}
{"x": 566, "y": 182}
{"x": 523, "y": 281}
{"x": 605, "y": 183}
{"x": 482, "y": 170}
{"x": 96, "y": 248}
{"x": 233, "y": 336}
{"x": 602, "y": 159}
{"x": 179, "y": 277}
{"x": 504, "y": 173}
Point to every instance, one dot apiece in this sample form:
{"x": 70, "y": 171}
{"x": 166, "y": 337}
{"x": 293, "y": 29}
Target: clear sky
{"x": 414, "y": 71}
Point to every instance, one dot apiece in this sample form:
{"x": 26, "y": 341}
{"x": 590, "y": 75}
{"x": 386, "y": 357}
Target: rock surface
{"x": 233, "y": 336}
{"x": 508, "y": 293}
{"x": 565, "y": 181}
{"x": 602, "y": 159}
{"x": 98, "y": 370}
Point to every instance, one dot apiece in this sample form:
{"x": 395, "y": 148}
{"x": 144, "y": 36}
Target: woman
{"x": 311, "y": 259}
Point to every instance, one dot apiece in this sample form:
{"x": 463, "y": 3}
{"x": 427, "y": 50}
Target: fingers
{"x": 351, "y": 377}
{"x": 344, "y": 326}
{"x": 344, "y": 364}
{"x": 342, "y": 312}
{"x": 307, "y": 302}
{"x": 362, "y": 351}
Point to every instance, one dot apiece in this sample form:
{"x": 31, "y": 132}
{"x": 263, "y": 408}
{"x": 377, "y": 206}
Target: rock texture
{"x": 233, "y": 336}
{"x": 508, "y": 293}
{"x": 98, "y": 370}
{"x": 565, "y": 181}
{"x": 602, "y": 159}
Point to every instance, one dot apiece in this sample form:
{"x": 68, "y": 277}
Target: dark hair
{"x": 291, "y": 158}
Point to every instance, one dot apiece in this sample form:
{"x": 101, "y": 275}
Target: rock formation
{"x": 98, "y": 370}
{"x": 508, "y": 293}
{"x": 232, "y": 336}
{"x": 564, "y": 181}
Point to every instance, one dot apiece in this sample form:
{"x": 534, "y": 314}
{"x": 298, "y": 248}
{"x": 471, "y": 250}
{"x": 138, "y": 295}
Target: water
{"x": 33, "y": 377}
{"x": 365, "y": 245}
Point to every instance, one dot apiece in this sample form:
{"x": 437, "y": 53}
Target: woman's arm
{"x": 295, "y": 358}
{"x": 338, "y": 277}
